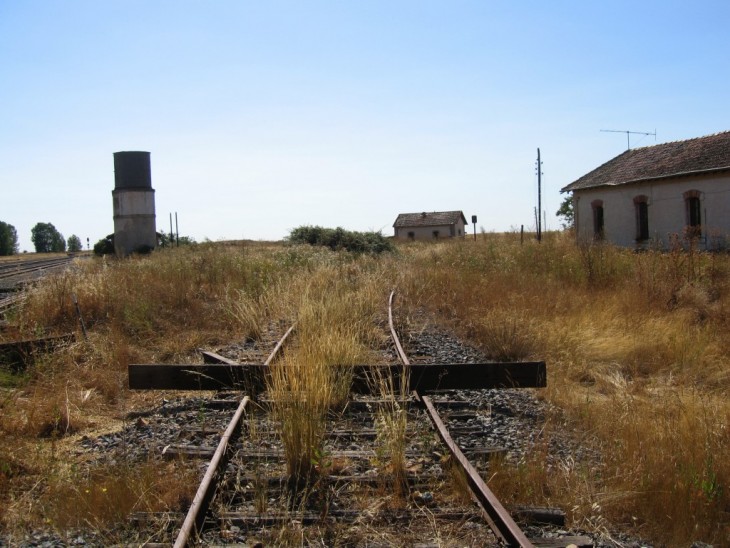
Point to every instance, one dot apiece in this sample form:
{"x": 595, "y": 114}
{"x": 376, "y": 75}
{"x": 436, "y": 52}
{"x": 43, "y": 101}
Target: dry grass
{"x": 391, "y": 423}
{"x": 637, "y": 354}
{"x": 637, "y": 350}
{"x": 98, "y": 497}
{"x": 159, "y": 308}
{"x": 335, "y": 330}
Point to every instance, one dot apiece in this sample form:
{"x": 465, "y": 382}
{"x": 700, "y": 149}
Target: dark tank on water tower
{"x": 134, "y": 204}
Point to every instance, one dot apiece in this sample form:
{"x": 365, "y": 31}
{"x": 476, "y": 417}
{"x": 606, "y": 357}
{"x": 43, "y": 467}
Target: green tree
{"x": 46, "y": 238}
{"x": 74, "y": 243}
{"x": 566, "y": 212}
{"x": 8, "y": 239}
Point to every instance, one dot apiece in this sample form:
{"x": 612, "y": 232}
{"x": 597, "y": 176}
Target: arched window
{"x": 597, "y": 206}
{"x": 641, "y": 206}
{"x": 693, "y": 212}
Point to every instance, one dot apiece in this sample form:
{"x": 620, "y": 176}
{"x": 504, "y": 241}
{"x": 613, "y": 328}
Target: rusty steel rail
{"x": 213, "y": 358}
{"x": 498, "y": 518}
{"x": 279, "y": 345}
{"x": 195, "y": 518}
{"x": 393, "y": 334}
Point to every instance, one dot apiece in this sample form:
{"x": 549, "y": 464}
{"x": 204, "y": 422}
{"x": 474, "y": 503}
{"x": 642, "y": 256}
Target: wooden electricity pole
{"x": 539, "y": 197}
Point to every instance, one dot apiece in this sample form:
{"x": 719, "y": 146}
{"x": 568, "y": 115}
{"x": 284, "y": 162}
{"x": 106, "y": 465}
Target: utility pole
{"x": 539, "y": 197}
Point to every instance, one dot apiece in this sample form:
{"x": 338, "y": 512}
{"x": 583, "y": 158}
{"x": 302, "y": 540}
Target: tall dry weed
{"x": 334, "y": 332}
{"x": 247, "y": 313}
{"x": 103, "y": 497}
{"x": 664, "y": 470}
{"x": 503, "y": 336}
{"x": 391, "y": 425}
{"x": 158, "y": 308}
{"x": 626, "y": 336}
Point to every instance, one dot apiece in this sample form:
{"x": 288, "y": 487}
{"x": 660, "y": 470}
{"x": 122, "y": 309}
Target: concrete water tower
{"x": 134, "y": 203}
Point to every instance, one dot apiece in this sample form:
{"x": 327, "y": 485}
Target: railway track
{"x": 16, "y": 273}
{"x": 10, "y": 302}
{"x": 500, "y": 521}
{"x": 425, "y": 490}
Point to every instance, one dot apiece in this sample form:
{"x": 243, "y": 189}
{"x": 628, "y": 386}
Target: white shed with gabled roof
{"x": 430, "y": 226}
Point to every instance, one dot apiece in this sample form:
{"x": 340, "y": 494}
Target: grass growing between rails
{"x": 638, "y": 358}
{"x": 336, "y": 329}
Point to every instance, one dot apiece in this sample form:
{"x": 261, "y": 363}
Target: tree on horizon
{"x": 74, "y": 243}
{"x": 47, "y": 239}
{"x": 8, "y": 239}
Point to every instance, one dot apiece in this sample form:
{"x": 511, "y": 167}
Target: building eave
{"x": 679, "y": 175}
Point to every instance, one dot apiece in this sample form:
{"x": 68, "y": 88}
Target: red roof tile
{"x": 693, "y": 156}
{"x": 434, "y": 218}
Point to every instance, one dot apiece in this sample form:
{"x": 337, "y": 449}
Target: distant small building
{"x": 430, "y": 226}
{"x": 644, "y": 196}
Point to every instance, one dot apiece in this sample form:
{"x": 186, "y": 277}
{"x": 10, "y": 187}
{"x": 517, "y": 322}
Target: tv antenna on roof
{"x": 628, "y": 133}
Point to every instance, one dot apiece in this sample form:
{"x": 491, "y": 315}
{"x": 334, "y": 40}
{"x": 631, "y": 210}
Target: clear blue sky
{"x": 263, "y": 116}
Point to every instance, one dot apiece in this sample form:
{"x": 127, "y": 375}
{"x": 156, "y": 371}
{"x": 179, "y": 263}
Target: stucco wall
{"x": 133, "y": 202}
{"x": 666, "y": 210}
{"x": 426, "y": 232}
{"x": 134, "y": 220}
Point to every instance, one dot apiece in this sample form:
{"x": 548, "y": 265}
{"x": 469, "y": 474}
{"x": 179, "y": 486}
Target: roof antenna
{"x": 627, "y": 132}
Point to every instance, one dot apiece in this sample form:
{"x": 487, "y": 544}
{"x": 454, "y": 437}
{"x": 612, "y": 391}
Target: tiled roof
{"x": 434, "y": 218}
{"x": 699, "y": 155}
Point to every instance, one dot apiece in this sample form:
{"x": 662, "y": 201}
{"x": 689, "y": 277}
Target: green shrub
{"x": 105, "y": 246}
{"x": 339, "y": 238}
